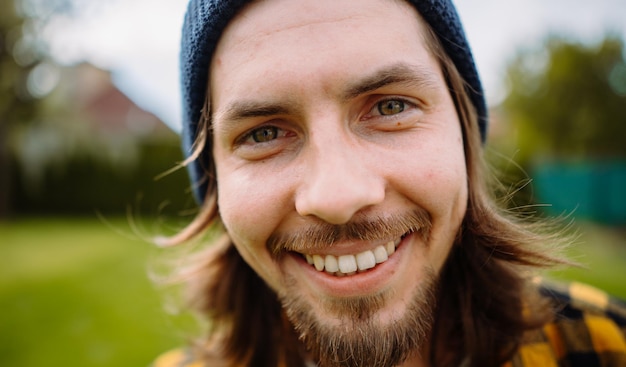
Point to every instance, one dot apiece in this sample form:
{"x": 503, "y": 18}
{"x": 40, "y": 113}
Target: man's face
{"x": 336, "y": 140}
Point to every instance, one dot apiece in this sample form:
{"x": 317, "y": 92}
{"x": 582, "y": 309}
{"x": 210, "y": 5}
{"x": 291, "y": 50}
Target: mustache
{"x": 322, "y": 235}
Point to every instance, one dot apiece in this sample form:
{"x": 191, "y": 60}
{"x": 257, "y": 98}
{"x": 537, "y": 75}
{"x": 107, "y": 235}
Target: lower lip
{"x": 364, "y": 283}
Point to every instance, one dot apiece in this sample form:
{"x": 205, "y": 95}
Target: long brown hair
{"x": 485, "y": 302}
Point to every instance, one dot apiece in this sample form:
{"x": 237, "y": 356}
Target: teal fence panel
{"x": 589, "y": 190}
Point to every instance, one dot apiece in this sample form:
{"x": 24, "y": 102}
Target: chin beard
{"x": 360, "y": 338}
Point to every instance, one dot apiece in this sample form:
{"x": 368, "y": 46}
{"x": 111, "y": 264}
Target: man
{"x": 338, "y": 143}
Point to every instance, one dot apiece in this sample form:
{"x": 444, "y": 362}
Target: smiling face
{"x": 340, "y": 164}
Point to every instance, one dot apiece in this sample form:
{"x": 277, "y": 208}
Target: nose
{"x": 339, "y": 182}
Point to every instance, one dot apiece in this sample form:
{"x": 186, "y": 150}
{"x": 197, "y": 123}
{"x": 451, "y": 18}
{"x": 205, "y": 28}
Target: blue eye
{"x": 391, "y": 107}
{"x": 264, "y": 134}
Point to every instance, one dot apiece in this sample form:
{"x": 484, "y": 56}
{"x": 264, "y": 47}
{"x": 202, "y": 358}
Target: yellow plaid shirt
{"x": 589, "y": 330}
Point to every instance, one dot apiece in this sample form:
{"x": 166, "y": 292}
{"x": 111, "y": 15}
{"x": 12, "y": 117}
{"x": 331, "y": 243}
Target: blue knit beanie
{"x": 205, "y": 21}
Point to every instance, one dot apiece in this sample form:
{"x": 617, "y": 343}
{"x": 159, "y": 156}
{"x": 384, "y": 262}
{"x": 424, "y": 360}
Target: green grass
{"x": 601, "y": 252}
{"x": 75, "y": 292}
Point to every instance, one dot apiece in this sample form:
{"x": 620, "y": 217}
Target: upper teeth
{"x": 350, "y": 264}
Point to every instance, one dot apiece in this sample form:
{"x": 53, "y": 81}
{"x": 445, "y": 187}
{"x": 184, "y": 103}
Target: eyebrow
{"x": 244, "y": 109}
{"x": 399, "y": 73}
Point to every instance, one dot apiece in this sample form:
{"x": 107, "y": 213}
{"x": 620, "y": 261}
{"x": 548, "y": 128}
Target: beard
{"x": 361, "y": 338}
{"x": 359, "y": 335}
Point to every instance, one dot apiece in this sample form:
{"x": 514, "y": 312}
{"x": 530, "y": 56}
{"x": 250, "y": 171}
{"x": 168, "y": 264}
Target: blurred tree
{"x": 566, "y": 108}
{"x": 26, "y": 73}
{"x": 567, "y": 100}
{"x": 14, "y": 106}
{"x": 66, "y": 131}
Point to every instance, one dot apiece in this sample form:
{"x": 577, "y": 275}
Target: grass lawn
{"x": 601, "y": 251}
{"x": 75, "y": 292}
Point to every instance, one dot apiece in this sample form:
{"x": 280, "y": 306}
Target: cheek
{"x": 440, "y": 187}
{"x": 436, "y": 180}
{"x": 252, "y": 206}
{"x": 238, "y": 203}
{"x": 251, "y": 203}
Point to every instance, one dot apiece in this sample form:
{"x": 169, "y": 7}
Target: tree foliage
{"x": 28, "y": 74}
{"x": 567, "y": 100}
{"x": 23, "y": 51}
{"x": 18, "y": 58}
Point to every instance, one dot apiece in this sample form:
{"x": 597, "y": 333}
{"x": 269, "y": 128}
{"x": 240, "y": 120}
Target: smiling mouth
{"x": 346, "y": 265}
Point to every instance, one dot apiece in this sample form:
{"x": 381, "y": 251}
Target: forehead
{"x": 263, "y": 17}
{"x": 271, "y": 42}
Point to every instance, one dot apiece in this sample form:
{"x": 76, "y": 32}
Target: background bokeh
{"x": 88, "y": 109}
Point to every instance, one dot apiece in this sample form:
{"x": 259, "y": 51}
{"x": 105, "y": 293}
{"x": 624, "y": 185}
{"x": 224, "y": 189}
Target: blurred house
{"x": 92, "y": 148}
{"x": 91, "y": 94}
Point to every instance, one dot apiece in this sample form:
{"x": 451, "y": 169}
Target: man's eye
{"x": 264, "y": 134}
{"x": 391, "y": 107}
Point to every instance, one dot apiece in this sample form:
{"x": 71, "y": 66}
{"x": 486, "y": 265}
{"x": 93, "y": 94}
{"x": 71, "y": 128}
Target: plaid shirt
{"x": 589, "y": 330}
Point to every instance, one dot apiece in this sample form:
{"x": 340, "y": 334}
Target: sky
{"x": 138, "y": 40}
